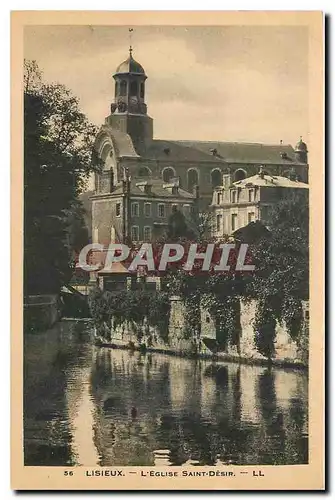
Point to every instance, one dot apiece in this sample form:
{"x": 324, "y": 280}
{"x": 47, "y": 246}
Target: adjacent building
{"x": 138, "y": 210}
{"x": 236, "y": 205}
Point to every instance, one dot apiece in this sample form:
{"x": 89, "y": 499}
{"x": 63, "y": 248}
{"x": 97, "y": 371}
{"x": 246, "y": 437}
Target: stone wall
{"x": 177, "y": 341}
{"x": 285, "y": 347}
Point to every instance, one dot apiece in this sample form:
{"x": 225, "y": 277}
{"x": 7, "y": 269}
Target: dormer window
{"x": 172, "y": 188}
{"x": 145, "y": 187}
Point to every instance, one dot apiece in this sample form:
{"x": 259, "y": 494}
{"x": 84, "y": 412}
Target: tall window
{"x": 123, "y": 88}
{"x": 216, "y": 178}
{"x": 239, "y": 175}
{"x": 234, "y": 222}
{"x": 219, "y": 198}
{"x": 219, "y": 220}
{"x": 168, "y": 174}
{"x": 143, "y": 172}
{"x": 118, "y": 210}
{"x": 147, "y": 209}
{"x": 147, "y": 233}
{"x": 251, "y": 195}
{"x": 135, "y": 233}
{"x": 135, "y": 209}
{"x": 161, "y": 210}
{"x": 133, "y": 88}
{"x": 233, "y": 196}
{"x": 192, "y": 179}
{"x": 142, "y": 90}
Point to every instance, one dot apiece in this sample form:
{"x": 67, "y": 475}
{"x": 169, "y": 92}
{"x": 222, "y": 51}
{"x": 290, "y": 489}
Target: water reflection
{"x": 96, "y": 406}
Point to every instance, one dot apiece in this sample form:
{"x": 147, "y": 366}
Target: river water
{"x": 85, "y": 405}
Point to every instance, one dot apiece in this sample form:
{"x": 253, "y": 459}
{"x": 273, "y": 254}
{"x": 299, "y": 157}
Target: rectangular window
{"x": 147, "y": 233}
{"x": 147, "y": 209}
{"x": 233, "y": 196}
{"x": 219, "y": 219}
{"x": 161, "y": 210}
{"x": 219, "y": 198}
{"x": 174, "y": 208}
{"x": 251, "y": 195}
{"x": 135, "y": 209}
{"x": 118, "y": 210}
{"x": 234, "y": 222}
{"x": 251, "y": 217}
{"x": 135, "y": 233}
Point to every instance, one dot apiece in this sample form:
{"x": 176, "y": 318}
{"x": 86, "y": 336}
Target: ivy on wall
{"x": 116, "y": 308}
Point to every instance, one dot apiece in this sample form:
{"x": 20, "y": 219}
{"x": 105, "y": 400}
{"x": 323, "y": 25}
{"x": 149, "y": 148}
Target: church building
{"x": 128, "y": 149}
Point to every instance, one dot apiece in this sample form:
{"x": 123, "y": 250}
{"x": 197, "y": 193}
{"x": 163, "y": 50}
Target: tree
{"x": 58, "y": 160}
{"x": 281, "y": 279}
{"x": 178, "y": 227}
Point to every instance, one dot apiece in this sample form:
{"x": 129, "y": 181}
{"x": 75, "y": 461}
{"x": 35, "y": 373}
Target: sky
{"x": 225, "y": 83}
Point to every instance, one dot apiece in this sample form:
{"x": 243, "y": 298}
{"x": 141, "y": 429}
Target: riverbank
{"x": 223, "y": 357}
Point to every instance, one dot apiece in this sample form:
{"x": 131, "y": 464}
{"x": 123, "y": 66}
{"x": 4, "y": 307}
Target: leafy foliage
{"x": 281, "y": 280}
{"x": 133, "y": 306}
{"x": 58, "y": 142}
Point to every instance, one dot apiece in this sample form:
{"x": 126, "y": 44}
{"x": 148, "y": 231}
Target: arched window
{"x": 168, "y": 173}
{"x": 240, "y": 174}
{"x": 123, "y": 88}
{"x": 142, "y": 90}
{"x": 192, "y": 179}
{"x": 216, "y": 178}
{"x": 133, "y": 88}
{"x": 143, "y": 172}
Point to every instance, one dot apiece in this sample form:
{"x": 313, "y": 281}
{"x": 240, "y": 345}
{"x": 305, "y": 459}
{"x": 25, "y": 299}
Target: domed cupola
{"x": 128, "y": 108}
{"x": 301, "y": 151}
{"x": 129, "y": 87}
{"x": 130, "y": 66}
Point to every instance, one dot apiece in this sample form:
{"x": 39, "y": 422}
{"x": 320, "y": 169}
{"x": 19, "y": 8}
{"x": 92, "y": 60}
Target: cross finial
{"x": 130, "y": 39}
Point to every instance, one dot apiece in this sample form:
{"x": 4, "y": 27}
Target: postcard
{"x": 167, "y": 241}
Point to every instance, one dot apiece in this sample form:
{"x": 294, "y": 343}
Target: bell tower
{"x": 128, "y": 108}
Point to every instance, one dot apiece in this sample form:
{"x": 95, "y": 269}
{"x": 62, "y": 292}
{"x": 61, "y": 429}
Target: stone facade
{"x": 245, "y": 201}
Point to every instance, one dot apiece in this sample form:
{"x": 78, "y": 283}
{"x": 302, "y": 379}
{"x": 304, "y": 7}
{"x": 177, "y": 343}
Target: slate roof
{"x": 227, "y": 152}
{"x": 157, "y": 190}
{"x": 122, "y": 142}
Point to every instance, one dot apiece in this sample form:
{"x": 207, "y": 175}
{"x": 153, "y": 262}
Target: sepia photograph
{"x": 167, "y": 246}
